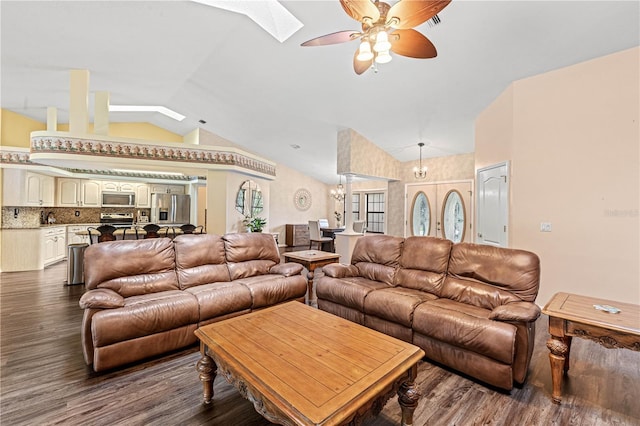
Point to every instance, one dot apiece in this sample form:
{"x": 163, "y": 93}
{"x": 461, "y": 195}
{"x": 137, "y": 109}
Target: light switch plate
{"x": 545, "y": 226}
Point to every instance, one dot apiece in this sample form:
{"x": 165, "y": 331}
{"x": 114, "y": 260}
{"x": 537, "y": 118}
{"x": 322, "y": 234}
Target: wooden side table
{"x": 311, "y": 259}
{"x": 572, "y": 315}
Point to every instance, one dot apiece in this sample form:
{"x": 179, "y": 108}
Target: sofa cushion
{"x": 489, "y": 276}
{"x": 250, "y": 254}
{"x": 377, "y": 257}
{"x": 200, "y": 259}
{"x": 395, "y": 304}
{"x": 270, "y": 289}
{"x": 144, "y": 315}
{"x": 466, "y": 327}
{"x": 221, "y": 298}
{"x": 131, "y": 268}
{"x": 349, "y": 292}
{"x": 423, "y": 264}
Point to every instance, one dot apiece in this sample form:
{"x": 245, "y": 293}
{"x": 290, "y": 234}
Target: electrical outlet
{"x": 545, "y": 226}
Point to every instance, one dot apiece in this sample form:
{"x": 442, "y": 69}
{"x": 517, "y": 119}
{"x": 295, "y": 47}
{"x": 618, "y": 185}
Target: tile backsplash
{"x": 30, "y": 217}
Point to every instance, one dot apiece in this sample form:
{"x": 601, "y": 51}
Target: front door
{"x": 441, "y": 209}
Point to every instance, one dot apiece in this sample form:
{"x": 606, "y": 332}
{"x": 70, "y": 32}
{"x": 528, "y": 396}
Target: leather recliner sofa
{"x": 147, "y": 297}
{"x": 468, "y": 306}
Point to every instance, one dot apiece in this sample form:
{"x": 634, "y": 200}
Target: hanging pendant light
{"x": 420, "y": 172}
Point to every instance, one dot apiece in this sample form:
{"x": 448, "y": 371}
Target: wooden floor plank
{"x": 44, "y": 381}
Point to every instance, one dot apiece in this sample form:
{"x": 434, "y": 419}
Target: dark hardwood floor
{"x": 44, "y": 380}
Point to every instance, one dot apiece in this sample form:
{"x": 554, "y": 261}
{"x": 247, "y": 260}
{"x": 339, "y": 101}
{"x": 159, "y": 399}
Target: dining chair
{"x": 315, "y": 236}
{"x": 324, "y": 223}
{"x": 359, "y": 226}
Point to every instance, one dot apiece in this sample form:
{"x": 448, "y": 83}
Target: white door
{"x": 440, "y": 209}
{"x": 493, "y": 205}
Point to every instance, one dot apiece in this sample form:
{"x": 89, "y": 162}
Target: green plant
{"x": 254, "y": 224}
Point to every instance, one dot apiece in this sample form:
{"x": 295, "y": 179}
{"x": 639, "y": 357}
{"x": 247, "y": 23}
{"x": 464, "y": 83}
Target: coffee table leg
{"x": 312, "y": 300}
{"x": 207, "y": 369}
{"x": 558, "y": 357}
{"x": 408, "y": 396}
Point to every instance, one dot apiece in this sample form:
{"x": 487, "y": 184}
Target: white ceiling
{"x": 221, "y": 67}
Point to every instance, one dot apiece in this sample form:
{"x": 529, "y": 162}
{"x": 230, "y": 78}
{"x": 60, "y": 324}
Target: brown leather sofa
{"x": 468, "y": 306}
{"x": 147, "y": 297}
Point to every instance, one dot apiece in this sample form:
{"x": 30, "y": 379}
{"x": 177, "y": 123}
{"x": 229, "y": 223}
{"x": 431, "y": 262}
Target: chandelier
{"x": 338, "y": 193}
{"x": 420, "y": 172}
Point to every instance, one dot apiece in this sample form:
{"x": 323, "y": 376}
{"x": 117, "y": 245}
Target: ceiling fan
{"x": 385, "y": 28}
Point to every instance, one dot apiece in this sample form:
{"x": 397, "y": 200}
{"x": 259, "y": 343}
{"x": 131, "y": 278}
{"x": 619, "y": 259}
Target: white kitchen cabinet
{"x": 166, "y": 189}
{"x": 78, "y": 193}
{"x": 73, "y": 238}
{"x": 24, "y": 188}
{"x": 115, "y": 186}
{"x": 143, "y": 196}
{"x": 54, "y": 244}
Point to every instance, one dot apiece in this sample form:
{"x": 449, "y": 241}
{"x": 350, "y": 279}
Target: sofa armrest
{"x": 338, "y": 270}
{"x": 287, "y": 269}
{"x": 101, "y": 298}
{"x": 516, "y": 311}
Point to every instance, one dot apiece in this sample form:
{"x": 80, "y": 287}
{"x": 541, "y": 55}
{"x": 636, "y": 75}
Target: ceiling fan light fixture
{"x": 382, "y": 42}
{"x": 365, "y": 53}
{"x": 383, "y": 57}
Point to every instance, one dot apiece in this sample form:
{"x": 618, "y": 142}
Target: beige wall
{"x": 574, "y": 152}
{"x": 15, "y": 130}
{"x": 357, "y": 155}
{"x": 440, "y": 169}
{"x": 282, "y": 210}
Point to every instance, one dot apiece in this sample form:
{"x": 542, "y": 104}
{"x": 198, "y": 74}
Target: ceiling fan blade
{"x": 413, "y": 44}
{"x": 360, "y": 66}
{"x": 361, "y": 9}
{"x": 333, "y": 38}
{"x": 410, "y": 13}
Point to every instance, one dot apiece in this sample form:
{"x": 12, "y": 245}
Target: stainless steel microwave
{"x": 118, "y": 199}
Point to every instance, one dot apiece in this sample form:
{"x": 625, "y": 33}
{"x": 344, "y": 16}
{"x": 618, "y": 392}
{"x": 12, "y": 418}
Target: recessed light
{"x": 147, "y": 108}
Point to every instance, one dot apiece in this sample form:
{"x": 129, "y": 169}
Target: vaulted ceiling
{"x": 221, "y": 67}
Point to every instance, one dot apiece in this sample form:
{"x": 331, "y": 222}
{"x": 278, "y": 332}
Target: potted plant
{"x": 338, "y": 218}
{"x": 254, "y": 224}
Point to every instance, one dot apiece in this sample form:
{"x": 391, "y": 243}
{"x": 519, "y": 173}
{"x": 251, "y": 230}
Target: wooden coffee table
{"x": 311, "y": 259}
{"x": 302, "y": 366}
{"x": 571, "y": 315}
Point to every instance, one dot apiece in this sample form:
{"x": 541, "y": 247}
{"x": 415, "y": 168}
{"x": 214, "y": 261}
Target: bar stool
{"x": 105, "y": 233}
{"x": 151, "y": 231}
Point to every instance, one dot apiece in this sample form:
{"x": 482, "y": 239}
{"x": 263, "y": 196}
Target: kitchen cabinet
{"x": 21, "y": 249}
{"x": 118, "y": 186}
{"x": 54, "y": 244}
{"x": 143, "y": 196}
{"x": 72, "y": 238}
{"x": 297, "y": 235}
{"x": 78, "y": 193}
{"x": 166, "y": 189}
{"x": 24, "y": 188}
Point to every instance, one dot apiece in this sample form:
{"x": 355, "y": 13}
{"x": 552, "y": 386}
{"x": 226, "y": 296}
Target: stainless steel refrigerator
{"x": 170, "y": 209}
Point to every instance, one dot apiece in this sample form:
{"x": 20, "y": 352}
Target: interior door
{"x": 456, "y": 215}
{"x": 493, "y": 205}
